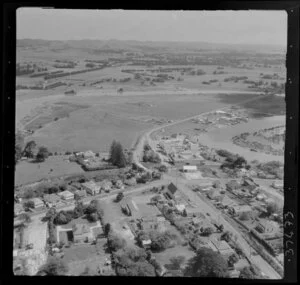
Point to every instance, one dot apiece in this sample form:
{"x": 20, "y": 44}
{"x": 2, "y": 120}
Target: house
{"x": 129, "y": 207}
{"x": 277, "y": 184}
{"x": 232, "y": 185}
{"x": 223, "y": 247}
{"x": 52, "y": 199}
{"x": 180, "y": 207}
{"x": 120, "y": 185}
{"x": 82, "y": 233}
{"x": 38, "y": 203}
{"x": 170, "y": 191}
{"x": 91, "y": 187}
{"x": 66, "y": 195}
{"x": 227, "y": 202}
{"x": 80, "y": 193}
{"x": 214, "y": 195}
{"x": 104, "y": 185}
{"x": 265, "y": 227}
{"x": 247, "y": 181}
{"x": 189, "y": 168}
{"x": 238, "y": 209}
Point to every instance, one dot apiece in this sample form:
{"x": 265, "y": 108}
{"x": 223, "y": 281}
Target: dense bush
{"x": 207, "y": 263}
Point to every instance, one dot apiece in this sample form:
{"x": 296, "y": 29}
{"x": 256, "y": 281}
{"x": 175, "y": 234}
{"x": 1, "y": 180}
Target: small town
{"x": 149, "y": 157}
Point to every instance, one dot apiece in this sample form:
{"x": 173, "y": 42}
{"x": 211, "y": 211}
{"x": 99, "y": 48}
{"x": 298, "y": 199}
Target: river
{"x": 222, "y": 138}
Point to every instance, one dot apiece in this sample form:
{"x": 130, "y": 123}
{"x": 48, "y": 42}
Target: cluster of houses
{"x": 75, "y": 191}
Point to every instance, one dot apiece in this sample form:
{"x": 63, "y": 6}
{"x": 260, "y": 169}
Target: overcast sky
{"x": 236, "y": 27}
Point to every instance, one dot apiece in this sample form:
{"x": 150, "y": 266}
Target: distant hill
{"x": 147, "y": 46}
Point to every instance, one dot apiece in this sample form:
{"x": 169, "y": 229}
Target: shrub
{"x": 54, "y": 267}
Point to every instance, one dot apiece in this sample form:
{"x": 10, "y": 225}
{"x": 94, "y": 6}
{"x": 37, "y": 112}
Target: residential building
{"x": 80, "y": 193}
{"x": 238, "y": 209}
{"x": 91, "y": 187}
{"x": 66, "y": 195}
{"x": 52, "y": 200}
{"x": 265, "y": 227}
{"x": 82, "y": 233}
{"x": 189, "y": 168}
{"x": 104, "y": 185}
{"x": 180, "y": 207}
{"x": 223, "y": 247}
{"x": 214, "y": 195}
{"x": 232, "y": 185}
{"x": 277, "y": 184}
{"x": 170, "y": 191}
{"x": 38, "y": 203}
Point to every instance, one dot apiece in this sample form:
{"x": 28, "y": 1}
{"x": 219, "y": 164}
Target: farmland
{"x": 191, "y": 118}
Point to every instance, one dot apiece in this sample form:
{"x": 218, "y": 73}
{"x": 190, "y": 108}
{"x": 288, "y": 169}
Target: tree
{"x": 42, "y": 154}
{"x": 244, "y": 216}
{"x": 29, "y": 148}
{"x": 29, "y": 205}
{"x": 117, "y": 156}
{"x": 54, "y": 267}
{"x": 272, "y": 208}
{"x": 250, "y": 272}
{"x": 232, "y": 259}
{"x": 207, "y": 231}
{"x": 177, "y": 262}
{"x": 25, "y": 217}
{"x": 62, "y": 218}
{"x": 78, "y": 210}
{"x": 207, "y": 263}
{"x": 227, "y": 236}
{"x": 92, "y": 217}
{"x": 107, "y": 228}
{"x": 119, "y": 197}
{"x": 18, "y": 153}
{"x": 115, "y": 242}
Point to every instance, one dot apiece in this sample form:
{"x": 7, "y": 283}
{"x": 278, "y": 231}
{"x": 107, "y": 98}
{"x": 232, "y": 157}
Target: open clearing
{"x": 27, "y": 172}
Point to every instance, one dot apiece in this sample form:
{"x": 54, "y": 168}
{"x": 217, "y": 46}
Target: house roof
{"x": 79, "y": 229}
{"x": 91, "y": 185}
{"x": 52, "y": 198}
{"x": 37, "y": 200}
{"x": 190, "y": 167}
{"x": 80, "y": 192}
{"x": 66, "y": 194}
{"x": 172, "y": 188}
{"x": 243, "y": 208}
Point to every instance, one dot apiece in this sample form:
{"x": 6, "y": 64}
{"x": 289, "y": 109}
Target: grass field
{"x": 27, "y": 172}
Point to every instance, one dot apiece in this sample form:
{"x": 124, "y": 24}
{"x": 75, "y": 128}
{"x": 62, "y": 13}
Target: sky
{"x": 235, "y": 27}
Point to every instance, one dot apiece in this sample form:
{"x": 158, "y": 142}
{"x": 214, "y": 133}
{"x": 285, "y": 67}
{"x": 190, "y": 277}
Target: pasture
{"x": 27, "y": 172}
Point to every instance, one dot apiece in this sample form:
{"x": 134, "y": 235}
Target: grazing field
{"x": 27, "y": 172}
{"x": 113, "y": 117}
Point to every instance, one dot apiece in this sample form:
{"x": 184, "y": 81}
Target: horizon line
{"x": 156, "y": 41}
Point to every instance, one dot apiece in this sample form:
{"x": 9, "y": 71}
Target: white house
{"x": 38, "y": 203}
{"x": 277, "y": 184}
{"x": 66, "y": 195}
{"x": 180, "y": 207}
{"x": 91, "y": 187}
{"x": 189, "y": 168}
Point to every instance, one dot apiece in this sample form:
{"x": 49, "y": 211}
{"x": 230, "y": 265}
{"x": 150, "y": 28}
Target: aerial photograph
{"x": 150, "y": 143}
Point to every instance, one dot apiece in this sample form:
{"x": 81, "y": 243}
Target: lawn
{"x": 27, "y": 172}
{"x": 165, "y": 256}
{"x": 79, "y": 257}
